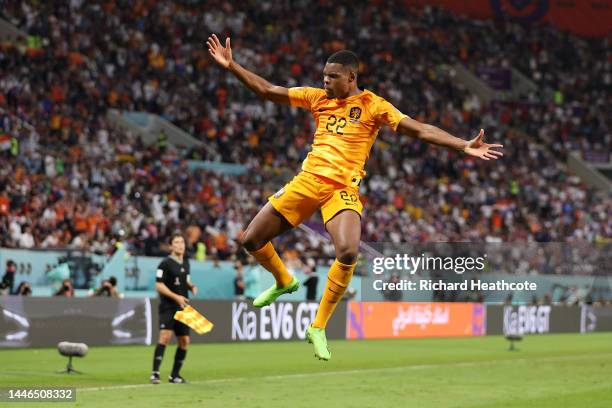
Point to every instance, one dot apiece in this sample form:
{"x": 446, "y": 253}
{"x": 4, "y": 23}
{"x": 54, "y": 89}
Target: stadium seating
{"x": 77, "y": 181}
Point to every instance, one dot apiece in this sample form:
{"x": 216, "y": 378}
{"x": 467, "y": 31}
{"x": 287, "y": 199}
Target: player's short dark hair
{"x": 346, "y": 58}
{"x": 177, "y": 235}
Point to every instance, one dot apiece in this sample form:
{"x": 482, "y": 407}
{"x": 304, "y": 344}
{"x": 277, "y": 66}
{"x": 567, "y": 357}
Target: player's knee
{"x": 184, "y": 342}
{"x": 347, "y": 253}
{"x": 250, "y": 242}
{"x": 164, "y": 339}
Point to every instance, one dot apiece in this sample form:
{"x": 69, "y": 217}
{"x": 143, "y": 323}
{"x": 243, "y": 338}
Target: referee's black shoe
{"x": 155, "y": 378}
{"x": 177, "y": 380}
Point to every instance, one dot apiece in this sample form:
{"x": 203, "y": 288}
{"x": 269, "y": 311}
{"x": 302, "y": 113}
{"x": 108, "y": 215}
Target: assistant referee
{"x": 173, "y": 284}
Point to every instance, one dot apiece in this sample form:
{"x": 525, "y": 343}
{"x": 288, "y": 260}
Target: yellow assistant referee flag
{"x": 193, "y": 319}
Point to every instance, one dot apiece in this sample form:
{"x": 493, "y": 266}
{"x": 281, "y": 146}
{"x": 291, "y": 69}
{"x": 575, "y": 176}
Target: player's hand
{"x": 476, "y": 147}
{"x": 182, "y": 301}
{"x": 194, "y": 290}
{"x": 222, "y": 55}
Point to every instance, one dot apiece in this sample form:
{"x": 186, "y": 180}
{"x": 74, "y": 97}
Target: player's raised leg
{"x": 268, "y": 224}
{"x": 345, "y": 230}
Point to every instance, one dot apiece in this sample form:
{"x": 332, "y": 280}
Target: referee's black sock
{"x": 157, "y": 358}
{"x": 179, "y": 357}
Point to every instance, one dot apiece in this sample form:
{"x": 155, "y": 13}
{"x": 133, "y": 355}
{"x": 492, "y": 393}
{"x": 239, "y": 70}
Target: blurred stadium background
{"x": 116, "y": 129}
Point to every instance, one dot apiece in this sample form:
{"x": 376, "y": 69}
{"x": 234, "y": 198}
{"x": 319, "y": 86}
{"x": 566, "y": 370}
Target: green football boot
{"x": 268, "y": 296}
{"x": 317, "y": 338}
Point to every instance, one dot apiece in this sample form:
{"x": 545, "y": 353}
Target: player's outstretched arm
{"x": 264, "y": 89}
{"x": 431, "y": 134}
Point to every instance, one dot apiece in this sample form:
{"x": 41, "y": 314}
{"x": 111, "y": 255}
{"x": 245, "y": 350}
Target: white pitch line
{"x": 359, "y": 371}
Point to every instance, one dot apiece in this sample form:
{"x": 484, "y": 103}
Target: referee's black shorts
{"x": 167, "y": 322}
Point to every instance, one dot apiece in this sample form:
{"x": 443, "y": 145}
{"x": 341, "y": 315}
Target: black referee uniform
{"x": 176, "y": 277}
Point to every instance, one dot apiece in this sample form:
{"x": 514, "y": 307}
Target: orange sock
{"x": 338, "y": 279}
{"x": 269, "y": 259}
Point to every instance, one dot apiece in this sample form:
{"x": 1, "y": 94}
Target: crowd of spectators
{"x": 570, "y": 109}
{"x": 77, "y": 181}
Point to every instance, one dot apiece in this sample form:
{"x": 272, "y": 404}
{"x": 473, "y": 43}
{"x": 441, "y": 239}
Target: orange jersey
{"x": 345, "y": 131}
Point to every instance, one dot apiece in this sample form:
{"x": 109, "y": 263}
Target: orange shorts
{"x": 307, "y": 192}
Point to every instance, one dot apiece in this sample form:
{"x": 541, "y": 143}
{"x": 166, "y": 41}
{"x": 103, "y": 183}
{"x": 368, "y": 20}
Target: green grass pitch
{"x": 546, "y": 371}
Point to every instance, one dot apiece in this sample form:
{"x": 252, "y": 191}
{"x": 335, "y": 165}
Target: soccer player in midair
{"x": 173, "y": 283}
{"x": 347, "y": 121}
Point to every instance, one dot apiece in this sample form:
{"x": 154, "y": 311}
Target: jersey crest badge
{"x": 354, "y": 114}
